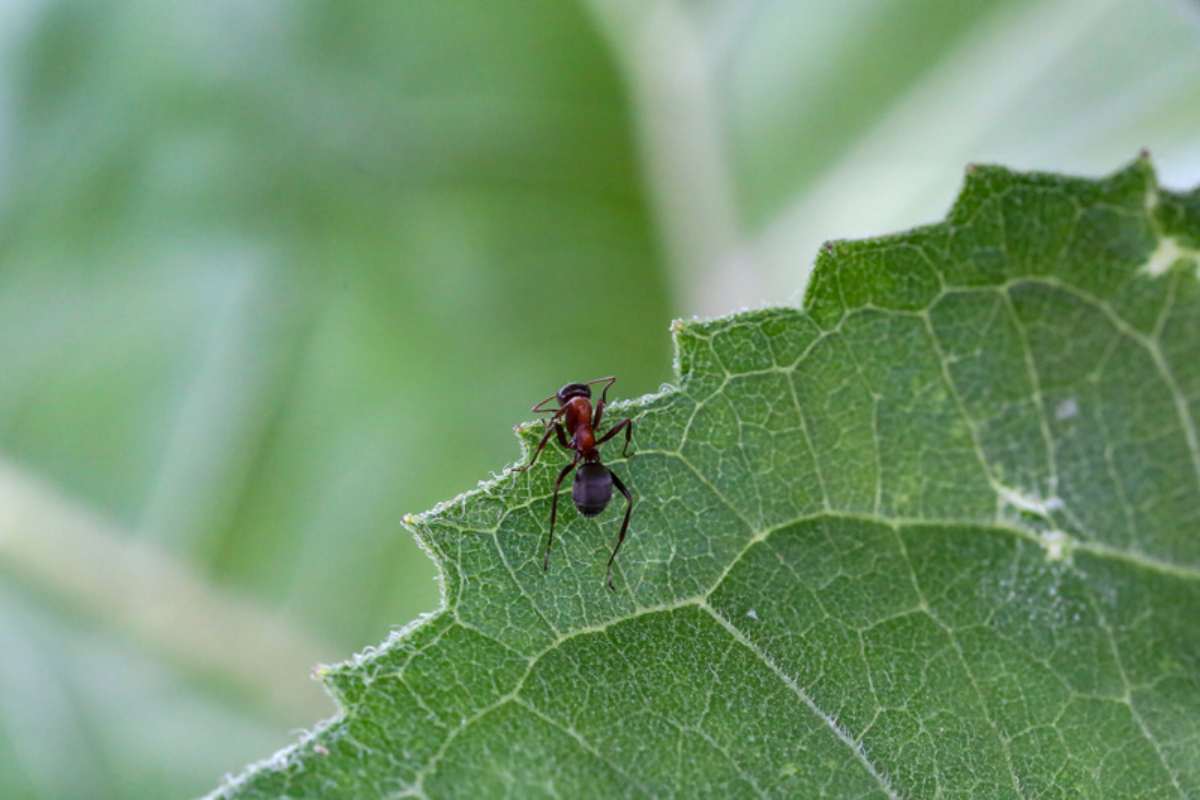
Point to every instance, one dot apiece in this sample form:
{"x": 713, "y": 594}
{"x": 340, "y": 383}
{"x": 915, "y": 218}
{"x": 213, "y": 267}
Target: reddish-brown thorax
{"x": 578, "y": 420}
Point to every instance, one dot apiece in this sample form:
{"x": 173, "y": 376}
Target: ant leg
{"x": 537, "y": 451}
{"x": 603, "y": 400}
{"x": 624, "y": 526}
{"x": 562, "y": 438}
{"x": 554, "y": 511}
{"x": 627, "y": 424}
{"x": 551, "y": 426}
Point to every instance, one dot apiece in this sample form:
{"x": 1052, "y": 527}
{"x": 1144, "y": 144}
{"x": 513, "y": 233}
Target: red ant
{"x": 594, "y": 482}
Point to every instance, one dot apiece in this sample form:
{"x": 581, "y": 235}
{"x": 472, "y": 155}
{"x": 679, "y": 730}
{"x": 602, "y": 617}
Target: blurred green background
{"x": 273, "y": 274}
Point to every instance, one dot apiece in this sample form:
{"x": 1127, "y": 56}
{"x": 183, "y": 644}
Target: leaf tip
{"x": 686, "y": 344}
{"x": 822, "y": 298}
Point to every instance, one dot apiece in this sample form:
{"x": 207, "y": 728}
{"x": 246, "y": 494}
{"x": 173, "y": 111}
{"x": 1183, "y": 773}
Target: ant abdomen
{"x": 592, "y": 489}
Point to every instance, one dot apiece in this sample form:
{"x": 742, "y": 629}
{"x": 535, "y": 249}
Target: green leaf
{"x": 933, "y": 535}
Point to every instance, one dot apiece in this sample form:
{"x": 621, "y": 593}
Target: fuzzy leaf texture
{"x": 936, "y": 534}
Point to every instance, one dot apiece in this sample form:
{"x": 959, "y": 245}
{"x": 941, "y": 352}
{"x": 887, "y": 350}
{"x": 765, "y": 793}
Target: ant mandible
{"x": 594, "y": 482}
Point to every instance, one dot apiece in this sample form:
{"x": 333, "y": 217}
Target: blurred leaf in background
{"x": 273, "y": 274}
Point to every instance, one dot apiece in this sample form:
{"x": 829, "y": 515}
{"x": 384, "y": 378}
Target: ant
{"x": 594, "y": 482}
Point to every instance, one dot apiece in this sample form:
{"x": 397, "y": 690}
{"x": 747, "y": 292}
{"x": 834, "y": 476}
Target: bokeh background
{"x": 274, "y": 273}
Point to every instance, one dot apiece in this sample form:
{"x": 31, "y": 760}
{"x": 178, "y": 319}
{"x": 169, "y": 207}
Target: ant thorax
{"x": 579, "y": 414}
{"x": 579, "y": 423}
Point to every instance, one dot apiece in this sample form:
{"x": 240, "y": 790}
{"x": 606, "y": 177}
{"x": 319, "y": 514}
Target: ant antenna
{"x": 537, "y": 409}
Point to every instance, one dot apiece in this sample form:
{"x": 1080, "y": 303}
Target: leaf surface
{"x": 935, "y": 534}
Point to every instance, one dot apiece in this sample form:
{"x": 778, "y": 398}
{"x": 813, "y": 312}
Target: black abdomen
{"x": 592, "y": 489}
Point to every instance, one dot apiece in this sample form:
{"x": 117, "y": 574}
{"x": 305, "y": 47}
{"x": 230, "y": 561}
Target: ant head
{"x": 573, "y": 390}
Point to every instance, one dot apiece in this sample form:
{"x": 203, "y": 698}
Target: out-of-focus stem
{"x": 682, "y": 152}
{"x": 59, "y": 547}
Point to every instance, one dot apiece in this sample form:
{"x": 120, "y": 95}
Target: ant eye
{"x": 574, "y": 390}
